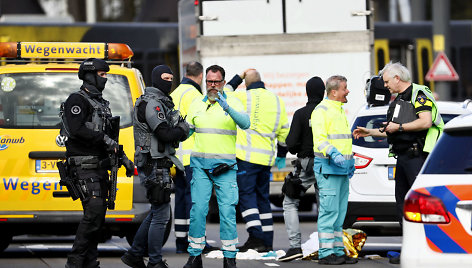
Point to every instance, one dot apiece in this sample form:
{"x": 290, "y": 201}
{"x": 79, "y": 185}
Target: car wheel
{"x": 5, "y": 240}
{"x": 131, "y": 234}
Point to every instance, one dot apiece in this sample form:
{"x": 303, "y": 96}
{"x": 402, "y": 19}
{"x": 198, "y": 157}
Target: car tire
{"x": 131, "y": 234}
{"x": 5, "y": 240}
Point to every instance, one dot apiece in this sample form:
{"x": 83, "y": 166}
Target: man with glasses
{"x": 214, "y": 120}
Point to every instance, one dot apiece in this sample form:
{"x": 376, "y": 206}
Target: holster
{"x": 158, "y": 186}
{"x": 68, "y": 178}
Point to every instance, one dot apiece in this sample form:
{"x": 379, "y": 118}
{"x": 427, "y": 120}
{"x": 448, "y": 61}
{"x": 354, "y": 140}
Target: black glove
{"x": 185, "y": 127}
{"x": 111, "y": 144}
{"x": 129, "y": 165}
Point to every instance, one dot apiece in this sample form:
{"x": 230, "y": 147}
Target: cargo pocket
{"x": 327, "y": 197}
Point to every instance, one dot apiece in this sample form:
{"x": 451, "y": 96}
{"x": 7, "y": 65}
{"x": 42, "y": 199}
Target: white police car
{"x": 372, "y": 188}
{"x": 437, "y": 229}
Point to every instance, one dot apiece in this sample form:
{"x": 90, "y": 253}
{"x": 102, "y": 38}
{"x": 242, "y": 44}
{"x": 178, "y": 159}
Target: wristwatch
{"x": 400, "y": 128}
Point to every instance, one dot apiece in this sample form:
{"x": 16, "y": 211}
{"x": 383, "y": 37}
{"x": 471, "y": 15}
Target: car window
{"x": 452, "y": 154}
{"x": 375, "y": 121}
{"x": 32, "y": 100}
{"x": 372, "y": 121}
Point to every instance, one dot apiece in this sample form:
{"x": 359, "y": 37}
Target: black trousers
{"x": 407, "y": 169}
{"x": 84, "y": 252}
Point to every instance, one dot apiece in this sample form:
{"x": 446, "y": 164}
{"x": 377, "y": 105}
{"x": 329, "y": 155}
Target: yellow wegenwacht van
{"x": 35, "y": 78}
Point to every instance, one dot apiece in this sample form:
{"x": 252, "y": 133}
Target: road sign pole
{"x": 441, "y": 16}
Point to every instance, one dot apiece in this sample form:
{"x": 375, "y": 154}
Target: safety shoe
{"x": 229, "y": 262}
{"x": 74, "y": 262}
{"x": 208, "y": 248}
{"x": 133, "y": 261}
{"x": 194, "y": 262}
{"x": 255, "y": 244}
{"x": 292, "y": 254}
{"x": 332, "y": 260}
{"x": 349, "y": 260}
{"x": 161, "y": 264}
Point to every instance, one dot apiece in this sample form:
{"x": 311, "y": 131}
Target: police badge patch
{"x": 421, "y": 99}
{"x": 161, "y": 115}
{"x": 75, "y": 109}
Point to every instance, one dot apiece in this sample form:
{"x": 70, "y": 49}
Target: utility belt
{"x": 84, "y": 162}
{"x": 82, "y": 186}
{"x": 412, "y": 150}
{"x": 156, "y": 163}
{"x": 158, "y": 185}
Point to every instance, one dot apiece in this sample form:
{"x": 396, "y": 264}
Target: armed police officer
{"x": 158, "y": 129}
{"x": 413, "y": 127}
{"x": 89, "y": 127}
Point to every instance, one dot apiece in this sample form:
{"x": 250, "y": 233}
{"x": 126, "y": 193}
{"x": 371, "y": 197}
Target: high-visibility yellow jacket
{"x": 268, "y": 122}
{"x": 214, "y": 131}
{"x": 331, "y": 133}
{"x": 182, "y": 97}
{"x": 438, "y": 124}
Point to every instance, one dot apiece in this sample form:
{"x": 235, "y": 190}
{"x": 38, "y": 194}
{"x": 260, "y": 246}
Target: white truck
{"x": 288, "y": 42}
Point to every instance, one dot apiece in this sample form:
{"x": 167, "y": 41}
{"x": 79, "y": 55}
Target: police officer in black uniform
{"x": 158, "y": 129}
{"x": 86, "y": 121}
{"x": 412, "y": 128}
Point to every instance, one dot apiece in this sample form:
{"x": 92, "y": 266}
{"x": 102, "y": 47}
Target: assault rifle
{"x": 115, "y": 159}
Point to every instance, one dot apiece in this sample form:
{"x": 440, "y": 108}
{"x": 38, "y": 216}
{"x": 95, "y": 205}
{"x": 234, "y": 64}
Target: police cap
{"x": 92, "y": 65}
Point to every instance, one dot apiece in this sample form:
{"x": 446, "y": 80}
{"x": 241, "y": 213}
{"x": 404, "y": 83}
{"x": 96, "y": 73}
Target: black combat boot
{"x": 229, "y": 262}
{"x": 194, "y": 262}
{"x": 255, "y": 244}
{"x": 74, "y": 262}
{"x": 161, "y": 264}
{"x": 133, "y": 261}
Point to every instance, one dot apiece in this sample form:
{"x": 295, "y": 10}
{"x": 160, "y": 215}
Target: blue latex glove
{"x": 339, "y": 160}
{"x": 280, "y": 162}
{"x": 222, "y": 101}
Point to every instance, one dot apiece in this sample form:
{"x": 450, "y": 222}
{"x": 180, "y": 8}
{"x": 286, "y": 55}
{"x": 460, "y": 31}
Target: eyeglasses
{"x": 216, "y": 82}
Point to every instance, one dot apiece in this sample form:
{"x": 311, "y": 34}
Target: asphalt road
{"x": 51, "y": 251}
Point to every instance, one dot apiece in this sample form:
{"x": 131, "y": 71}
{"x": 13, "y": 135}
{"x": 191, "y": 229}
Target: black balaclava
{"x": 92, "y": 78}
{"x": 158, "y": 82}
{"x": 315, "y": 89}
{"x": 88, "y": 69}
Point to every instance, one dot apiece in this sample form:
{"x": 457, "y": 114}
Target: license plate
{"x": 46, "y": 166}
{"x": 391, "y": 173}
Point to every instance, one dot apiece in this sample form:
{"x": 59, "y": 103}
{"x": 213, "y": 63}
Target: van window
{"x": 33, "y": 100}
{"x": 444, "y": 158}
{"x": 375, "y": 121}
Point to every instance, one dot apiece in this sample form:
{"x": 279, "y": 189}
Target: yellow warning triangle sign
{"x": 442, "y": 69}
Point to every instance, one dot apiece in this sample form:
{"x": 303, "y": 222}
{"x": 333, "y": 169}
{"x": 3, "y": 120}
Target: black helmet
{"x": 92, "y": 65}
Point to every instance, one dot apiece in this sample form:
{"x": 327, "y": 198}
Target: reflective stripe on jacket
{"x": 215, "y": 133}
{"x": 268, "y": 122}
{"x": 331, "y": 131}
{"x": 182, "y": 97}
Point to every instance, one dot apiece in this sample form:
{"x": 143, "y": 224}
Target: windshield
{"x": 33, "y": 100}
{"x": 375, "y": 121}
{"x": 452, "y": 154}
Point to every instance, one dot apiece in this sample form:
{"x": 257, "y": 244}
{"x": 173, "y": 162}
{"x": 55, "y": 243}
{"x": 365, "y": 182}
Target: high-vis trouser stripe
{"x": 250, "y": 211}
{"x": 180, "y": 234}
{"x": 182, "y": 221}
{"x": 326, "y": 245}
{"x": 325, "y": 235}
{"x": 338, "y": 234}
{"x": 268, "y": 228}
{"x": 230, "y": 245}
{"x": 216, "y": 131}
{"x": 197, "y": 240}
{"x": 338, "y": 244}
{"x": 265, "y": 216}
{"x": 253, "y": 223}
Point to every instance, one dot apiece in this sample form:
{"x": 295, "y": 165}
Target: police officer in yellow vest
{"x": 213, "y": 160}
{"x": 256, "y": 150}
{"x": 188, "y": 90}
{"x": 410, "y": 139}
{"x": 333, "y": 166}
